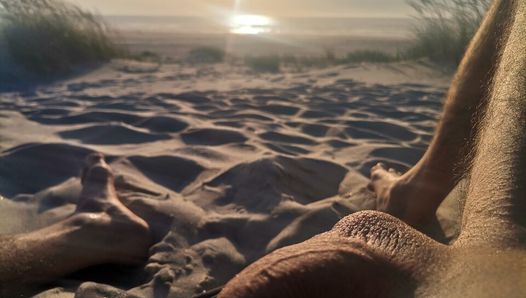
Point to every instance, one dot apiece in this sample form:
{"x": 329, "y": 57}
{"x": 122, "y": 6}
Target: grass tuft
{"x": 271, "y": 63}
{"x": 206, "y": 55}
{"x": 274, "y": 63}
{"x": 444, "y": 28}
{"x": 372, "y": 56}
{"x": 51, "y": 37}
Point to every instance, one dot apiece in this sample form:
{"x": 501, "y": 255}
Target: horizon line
{"x": 275, "y": 16}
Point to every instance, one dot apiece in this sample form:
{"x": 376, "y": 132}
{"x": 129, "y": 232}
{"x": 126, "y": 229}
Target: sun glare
{"x": 250, "y": 24}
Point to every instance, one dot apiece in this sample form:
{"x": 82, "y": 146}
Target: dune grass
{"x": 270, "y": 63}
{"x": 373, "y": 56}
{"x": 443, "y": 28}
{"x": 206, "y": 55}
{"x": 274, "y": 63}
{"x": 52, "y": 37}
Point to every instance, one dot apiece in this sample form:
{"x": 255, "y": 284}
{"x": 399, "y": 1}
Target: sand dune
{"x": 224, "y": 169}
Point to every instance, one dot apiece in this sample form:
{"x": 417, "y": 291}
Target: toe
{"x": 99, "y": 172}
{"x": 377, "y": 171}
{"x": 394, "y": 172}
{"x": 89, "y": 162}
{"x": 93, "y": 159}
{"x": 378, "y": 166}
{"x": 96, "y": 169}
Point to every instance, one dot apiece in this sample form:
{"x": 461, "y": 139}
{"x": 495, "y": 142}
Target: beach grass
{"x": 52, "y": 37}
{"x": 274, "y": 63}
{"x": 373, "y": 56}
{"x": 444, "y": 28}
{"x": 206, "y": 55}
{"x": 269, "y": 63}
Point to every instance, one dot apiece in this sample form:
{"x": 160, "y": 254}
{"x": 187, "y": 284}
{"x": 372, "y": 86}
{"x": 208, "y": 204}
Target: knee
{"x": 377, "y": 230}
{"x": 366, "y": 254}
{"x": 324, "y": 266}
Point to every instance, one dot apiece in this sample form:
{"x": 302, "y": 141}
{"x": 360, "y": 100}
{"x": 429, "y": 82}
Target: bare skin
{"x": 101, "y": 231}
{"x": 415, "y": 195}
{"x": 372, "y": 254}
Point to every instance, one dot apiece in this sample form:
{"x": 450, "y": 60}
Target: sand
{"x": 226, "y": 165}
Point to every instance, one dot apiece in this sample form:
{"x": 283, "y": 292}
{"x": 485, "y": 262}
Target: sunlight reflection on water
{"x": 251, "y": 24}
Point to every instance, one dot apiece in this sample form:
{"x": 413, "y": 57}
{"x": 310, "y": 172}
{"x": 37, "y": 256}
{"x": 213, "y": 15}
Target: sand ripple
{"x": 222, "y": 176}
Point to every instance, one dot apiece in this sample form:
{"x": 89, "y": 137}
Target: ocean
{"x": 368, "y": 27}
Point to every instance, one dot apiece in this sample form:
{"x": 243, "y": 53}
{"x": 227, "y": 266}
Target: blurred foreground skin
{"x": 372, "y": 254}
{"x": 101, "y": 231}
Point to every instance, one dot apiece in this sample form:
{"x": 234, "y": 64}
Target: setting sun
{"x": 250, "y": 24}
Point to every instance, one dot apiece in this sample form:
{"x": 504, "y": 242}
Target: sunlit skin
{"x": 102, "y": 230}
{"x": 373, "y": 254}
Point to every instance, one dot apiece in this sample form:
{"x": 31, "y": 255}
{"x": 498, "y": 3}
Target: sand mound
{"x": 261, "y": 185}
{"x": 111, "y": 134}
{"x": 212, "y": 137}
{"x": 33, "y": 167}
{"x": 163, "y": 124}
{"x": 87, "y": 117}
{"x": 172, "y": 172}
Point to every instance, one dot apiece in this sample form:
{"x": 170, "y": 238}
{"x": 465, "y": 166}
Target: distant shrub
{"x": 309, "y": 61}
{"x": 369, "y": 56}
{"x": 270, "y": 63}
{"x": 444, "y": 28}
{"x": 274, "y": 63}
{"x": 146, "y": 56}
{"x": 206, "y": 55}
{"x": 51, "y": 37}
{"x": 330, "y": 56}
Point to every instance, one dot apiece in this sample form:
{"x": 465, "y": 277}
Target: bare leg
{"x": 371, "y": 254}
{"x": 367, "y": 254}
{"x": 101, "y": 231}
{"x": 495, "y": 208}
{"x": 415, "y": 196}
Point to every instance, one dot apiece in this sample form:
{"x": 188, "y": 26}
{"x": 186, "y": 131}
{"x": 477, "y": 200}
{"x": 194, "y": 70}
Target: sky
{"x": 342, "y": 8}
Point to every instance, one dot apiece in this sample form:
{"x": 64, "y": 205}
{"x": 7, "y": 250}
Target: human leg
{"x": 102, "y": 230}
{"x": 415, "y": 195}
{"x": 367, "y": 254}
{"x": 495, "y": 208}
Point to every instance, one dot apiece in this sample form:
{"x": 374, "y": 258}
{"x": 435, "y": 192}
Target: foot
{"x": 409, "y": 197}
{"x": 112, "y": 232}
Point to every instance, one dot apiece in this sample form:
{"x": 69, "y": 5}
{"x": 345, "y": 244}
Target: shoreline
{"x": 175, "y": 44}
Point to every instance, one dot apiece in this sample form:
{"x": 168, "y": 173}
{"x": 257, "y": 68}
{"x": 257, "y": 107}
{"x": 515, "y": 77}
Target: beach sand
{"x": 226, "y": 165}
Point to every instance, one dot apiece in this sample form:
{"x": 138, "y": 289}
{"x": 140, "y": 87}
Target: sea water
{"x": 369, "y": 27}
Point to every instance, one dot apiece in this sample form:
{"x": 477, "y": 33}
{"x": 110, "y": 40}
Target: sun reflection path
{"x": 250, "y": 24}
{"x": 245, "y": 24}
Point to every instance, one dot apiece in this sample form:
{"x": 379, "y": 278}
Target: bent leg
{"x": 415, "y": 196}
{"x": 101, "y": 231}
{"x": 495, "y": 209}
{"x": 368, "y": 254}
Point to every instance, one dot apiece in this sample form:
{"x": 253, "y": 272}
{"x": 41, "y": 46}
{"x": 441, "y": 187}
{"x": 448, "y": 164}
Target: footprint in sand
{"x": 172, "y": 172}
{"x": 379, "y": 129}
{"x": 88, "y": 117}
{"x": 112, "y": 134}
{"x": 279, "y": 109}
{"x": 286, "y": 138}
{"x": 22, "y": 167}
{"x": 212, "y": 137}
{"x": 163, "y": 124}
